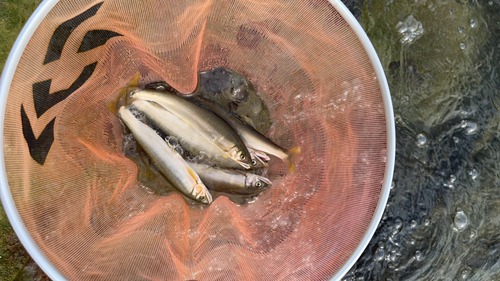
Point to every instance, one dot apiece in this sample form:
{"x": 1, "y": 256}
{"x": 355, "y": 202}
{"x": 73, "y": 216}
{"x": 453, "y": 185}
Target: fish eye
{"x": 254, "y": 162}
{"x": 242, "y": 157}
{"x": 202, "y": 198}
{"x": 258, "y": 184}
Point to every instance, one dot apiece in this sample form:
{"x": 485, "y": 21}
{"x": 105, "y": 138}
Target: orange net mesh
{"x": 79, "y": 197}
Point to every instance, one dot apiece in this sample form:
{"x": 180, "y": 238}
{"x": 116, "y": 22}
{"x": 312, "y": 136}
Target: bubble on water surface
{"x": 418, "y": 256}
{"x": 411, "y": 29}
{"x": 398, "y": 224}
{"x": 455, "y": 139}
{"x": 421, "y": 140}
{"x": 453, "y": 178}
{"x": 460, "y": 29}
{"x": 465, "y": 274}
{"x": 473, "y": 174}
{"x": 413, "y": 223}
{"x": 427, "y": 221}
{"x": 379, "y": 254}
{"x": 469, "y": 126}
{"x": 462, "y": 46}
{"x": 460, "y": 220}
{"x": 490, "y": 3}
{"x": 393, "y": 185}
{"x": 473, "y": 23}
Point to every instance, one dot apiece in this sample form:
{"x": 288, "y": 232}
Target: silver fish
{"x": 231, "y": 181}
{"x": 252, "y": 139}
{"x": 187, "y": 136}
{"x": 208, "y": 124}
{"x": 259, "y": 158}
{"x": 166, "y": 159}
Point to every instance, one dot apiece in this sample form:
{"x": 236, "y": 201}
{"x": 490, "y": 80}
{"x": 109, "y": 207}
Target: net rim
{"x": 391, "y": 137}
{"x": 6, "y": 196}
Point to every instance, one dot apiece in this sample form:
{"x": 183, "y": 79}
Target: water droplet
{"x": 412, "y": 241}
{"x": 455, "y": 139}
{"x": 418, "y": 256}
{"x": 460, "y": 220}
{"x": 473, "y": 23}
{"x": 490, "y": 3}
{"x": 460, "y": 29}
{"x": 427, "y": 222}
{"x": 393, "y": 185}
{"x": 379, "y": 254}
{"x": 473, "y": 174}
{"x": 472, "y": 234}
{"x": 451, "y": 12}
{"x": 413, "y": 223}
{"x": 380, "y": 244}
{"x": 462, "y": 46}
{"x": 465, "y": 274}
{"x": 421, "y": 140}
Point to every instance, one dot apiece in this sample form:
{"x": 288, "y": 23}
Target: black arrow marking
{"x": 63, "y": 31}
{"x": 44, "y": 100}
{"x": 38, "y": 147}
{"x": 96, "y": 38}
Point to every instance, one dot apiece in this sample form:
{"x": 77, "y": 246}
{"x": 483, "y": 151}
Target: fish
{"x": 166, "y": 159}
{"x": 208, "y": 124}
{"x": 231, "y": 181}
{"x": 252, "y": 138}
{"x": 259, "y": 158}
{"x": 187, "y": 136}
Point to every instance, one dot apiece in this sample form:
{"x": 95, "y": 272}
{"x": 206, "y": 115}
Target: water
{"x": 442, "y": 221}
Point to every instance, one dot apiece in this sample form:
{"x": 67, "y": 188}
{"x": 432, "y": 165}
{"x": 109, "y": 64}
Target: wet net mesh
{"x": 79, "y": 196}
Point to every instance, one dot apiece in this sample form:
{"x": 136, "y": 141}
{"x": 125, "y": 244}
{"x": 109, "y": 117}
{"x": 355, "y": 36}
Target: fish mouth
{"x": 244, "y": 165}
{"x": 261, "y": 156}
{"x": 265, "y": 180}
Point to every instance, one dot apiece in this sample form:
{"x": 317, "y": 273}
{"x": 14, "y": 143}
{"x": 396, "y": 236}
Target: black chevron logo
{"x": 64, "y": 30}
{"x": 44, "y": 100}
{"x": 38, "y": 147}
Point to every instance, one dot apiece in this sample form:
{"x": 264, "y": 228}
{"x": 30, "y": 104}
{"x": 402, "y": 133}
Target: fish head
{"x": 200, "y": 193}
{"x": 239, "y": 156}
{"x": 258, "y": 160}
{"x": 256, "y": 164}
{"x": 257, "y": 183}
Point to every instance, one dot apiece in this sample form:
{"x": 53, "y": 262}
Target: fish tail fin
{"x": 290, "y": 160}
